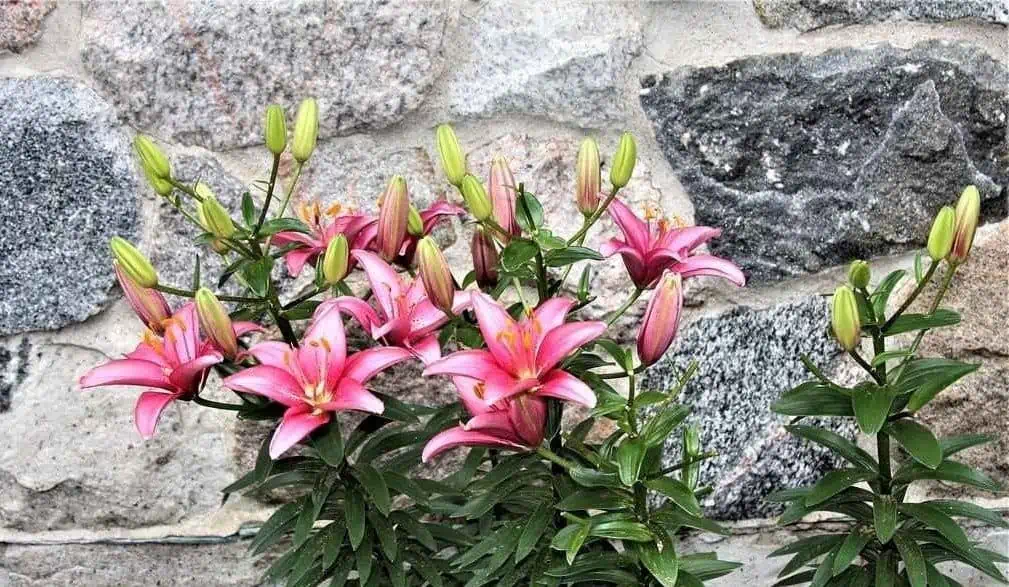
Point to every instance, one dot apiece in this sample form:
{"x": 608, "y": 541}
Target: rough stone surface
{"x": 747, "y": 358}
{"x": 806, "y": 16}
{"x": 809, "y": 161}
{"x": 204, "y": 71}
{"x": 567, "y": 61}
{"x": 21, "y": 23}
{"x": 68, "y": 186}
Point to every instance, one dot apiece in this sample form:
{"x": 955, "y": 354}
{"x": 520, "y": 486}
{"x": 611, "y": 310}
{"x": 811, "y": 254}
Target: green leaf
{"x": 283, "y": 225}
{"x": 965, "y": 509}
{"x": 676, "y": 491}
{"x": 264, "y": 463}
{"x": 591, "y": 478}
{"x": 248, "y": 210}
{"x": 918, "y": 440}
{"x": 893, "y": 355}
{"x": 548, "y": 242}
{"x": 884, "y": 289}
{"x": 329, "y": 444}
{"x": 954, "y": 444}
{"x": 947, "y": 471}
{"x": 382, "y": 528}
{"x": 837, "y": 443}
{"x": 914, "y": 560}
{"x": 925, "y": 378}
{"x": 935, "y": 518}
{"x": 528, "y": 211}
{"x": 886, "y": 570}
{"x": 622, "y": 530}
{"x": 675, "y": 518}
{"x": 533, "y": 530}
{"x": 364, "y": 560}
{"x": 354, "y": 513}
{"x": 884, "y": 517}
{"x": 257, "y": 275}
{"x": 913, "y": 322}
{"x": 570, "y": 255}
{"x": 595, "y": 500}
{"x": 705, "y": 566}
{"x": 662, "y": 565}
{"x": 871, "y": 406}
{"x": 813, "y": 398}
{"x": 374, "y": 484}
{"x": 824, "y": 571}
{"x": 518, "y": 252}
{"x": 577, "y": 540}
{"x": 583, "y": 283}
{"x": 630, "y": 455}
{"x": 835, "y": 482}
{"x": 331, "y": 539}
{"x": 919, "y": 269}
{"x": 849, "y": 550}
{"x": 274, "y": 527}
{"x": 807, "y": 550}
{"x": 662, "y": 425}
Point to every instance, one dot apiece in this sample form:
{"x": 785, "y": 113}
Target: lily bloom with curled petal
{"x": 405, "y": 317}
{"x": 324, "y": 225}
{"x": 314, "y": 380}
{"x": 517, "y": 423}
{"x": 524, "y": 356}
{"x": 174, "y": 364}
{"x": 148, "y": 304}
{"x": 429, "y": 217}
{"x": 650, "y": 248}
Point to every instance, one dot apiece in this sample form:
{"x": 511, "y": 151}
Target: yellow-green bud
{"x": 859, "y": 274}
{"x": 215, "y": 322}
{"x": 968, "y": 211}
{"x": 216, "y": 219}
{"x": 623, "y": 161}
{"x": 162, "y": 187}
{"x": 336, "y": 260}
{"x": 414, "y": 223}
{"x": 306, "y": 130}
{"x": 435, "y": 274}
{"x": 152, "y": 159}
{"x": 275, "y": 131}
{"x": 476, "y": 198}
{"x": 453, "y": 162}
{"x": 133, "y": 263}
{"x": 940, "y": 238}
{"x": 588, "y": 181}
{"x": 844, "y": 318}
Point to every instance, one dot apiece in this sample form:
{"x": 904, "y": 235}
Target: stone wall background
{"x": 812, "y": 132}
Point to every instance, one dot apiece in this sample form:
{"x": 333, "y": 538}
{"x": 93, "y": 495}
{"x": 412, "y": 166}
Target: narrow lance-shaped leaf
{"x": 917, "y": 440}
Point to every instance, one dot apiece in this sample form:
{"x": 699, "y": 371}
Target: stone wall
{"x": 812, "y": 132}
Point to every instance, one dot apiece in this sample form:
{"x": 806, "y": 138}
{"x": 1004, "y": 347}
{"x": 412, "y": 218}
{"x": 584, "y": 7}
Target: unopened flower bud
{"x": 940, "y": 238}
{"x": 859, "y": 274}
{"x": 148, "y": 304}
{"x": 528, "y": 415}
{"x": 435, "y": 274}
{"x": 275, "y": 130}
{"x": 216, "y": 219}
{"x": 306, "y": 130}
{"x": 476, "y": 198}
{"x": 133, "y": 263}
{"x": 501, "y": 186}
{"x": 336, "y": 260}
{"x": 453, "y": 162}
{"x": 662, "y": 319}
{"x": 414, "y": 223}
{"x": 215, "y": 322}
{"x": 485, "y": 258}
{"x": 152, "y": 159}
{"x": 588, "y": 179}
{"x": 162, "y": 187}
{"x": 393, "y": 215}
{"x": 623, "y": 161}
{"x": 968, "y": 210}
{"x": 844, "y": 318}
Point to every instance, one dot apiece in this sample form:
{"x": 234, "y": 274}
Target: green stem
{"x": 185, "y": 188}
{"x": 282, "y": 323}
{"x": 555, "y": 458}
{"x": 623, "y": 308}
{"x": 580, "y": 235}
{"x": 216, "y": 405}
{"x": 632, "y": 412}
{"x": 883, "y": 454}
{"x": 303, "y": 298}
{"x": 269, "y": 196}
{"x": 188, "y": 293}
{"x": 935, "y": 306}
{"x": 911, "y": 298}
{"x": 287, "y": 199}
{"x": 685, "y": 463}
{"x": 865, "y": 365}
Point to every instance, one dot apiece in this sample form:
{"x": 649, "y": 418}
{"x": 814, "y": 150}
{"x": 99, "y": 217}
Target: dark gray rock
{"x": 805, "y": 15}
{"x": 746, "y": 359}
{"x": 809, "y": 161}
{"x": 68, "y": 187}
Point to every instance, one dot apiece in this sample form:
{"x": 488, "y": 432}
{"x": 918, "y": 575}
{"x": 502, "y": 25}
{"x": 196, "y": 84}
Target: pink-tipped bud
{"x": 485, "y": 258}
{"x": 148, "y": 304}
{"x": 528, "y": 414}
{"x": 662, "y": 319}
{"x": 502, "y": 195}
{"x": 215, "y": 322}
{"x": 392, "y": 218}
{"x": 968, "y": 211}
{"x": 588, "y": 179}
{"x": 434, "y": 272}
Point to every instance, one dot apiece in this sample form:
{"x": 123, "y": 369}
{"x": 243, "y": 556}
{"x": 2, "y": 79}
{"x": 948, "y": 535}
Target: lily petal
{"x": 363, "y": 365}
{"x": 561, "y": 341}
{"x": 243, "y": 327}
{"x": 478, "y": 364}
{"x": 272, "y": 353}
{"x": 298, "y": 258}
{"x": 471, "y": 395}
{"x": 267, "y": 381}
{"x": 687, "y": 239}
{"x": 552, "y": 312}
{"x": 564, "y": 386}
{"x": 148, "y": 410}
{"x": 296, "y": 425}
{"x": 358, "y": 308}
{"x": 496, "y": 423}
{"x": 187, "y": 377}
{"x": 427, "y": 349}
{"x": 528, "y": 417}
{"x": 458, "y": 436}
{"x": 324, "y": 344}
{"x": 635, "y": 230}
{"x": 351, "y": 395}
{"x": 494, "y": 321}
{"x": 126, "y": 372}
{"x": 386, "y": 285}
{"x": 710, "y": 265}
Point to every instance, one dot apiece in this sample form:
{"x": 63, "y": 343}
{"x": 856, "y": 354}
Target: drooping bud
{"x": 476, "y": 198}
{"x": 623, "y": 161}
{"x": 414, "y": 223}
{"x": 435, "y": 274}
{"x": 275, "y": 130}
{"x": 844, "y": 318}
{"x": 133, "y": 263}
{"x": 152, "y": 159}
{"x": 306, "y": 130}
{"x": 215, "y": 218}
{"x": 453, "y": 162}
{"x": 968, "y": 210}
{"x": 691, "y": 450}
{"x": 393, "y": 215}
{"x": 215, "y": 322}
{"x": 662, "y": 319}
{"x": 940, "y": 238}
{"x": 588, "y": 179}
{"x": 859, "y": 274}
{"x": 336, "y": 260}
{"x": 148, "y": 304}
{"x": 501, "y": 185}
{"x": 528, "y": 414}
{"x": 485, "y": 258}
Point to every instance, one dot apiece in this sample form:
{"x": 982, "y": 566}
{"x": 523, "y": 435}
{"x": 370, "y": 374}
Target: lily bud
{"x": 162, "y": 187}
{"x": 691, "y": 450}
{"x": 623, "y": 161}
{"x": 501, "y": 185}
{"x": 662, "y": 319}
{"x": 859, "y": 274}
{"x": 133, "y": 263}
{"x": 453, "y": 162}
{"x": 152, "y": 159}
{"x": 588, "y": 178}
{"x": 485, "y": 258}
{"x": 528, "y": 414}
{"x": 844, "y": 318}
{"x": 435, "y": 274}
{"x": 968, "y": 209}
{"x": 215, "y": 322}
{"x": 336, "y": 260}
{"x": 476, "y": 198}
{"x": 393, "y": 215}
{"x": 414, "y": 223}
{"x": 275, "y": 131}
{"x": 216, "y": 219}
{"x": 148, "y": 304}
{"x": 306, "y": 130}
{"x": 940, "y": 238}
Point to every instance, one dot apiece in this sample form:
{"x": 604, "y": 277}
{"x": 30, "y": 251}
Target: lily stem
{"x": 626, "y": 305}
{"x": 269, "y": 196}
{"x": 555, "y": 458}
{"x": 216, "y": 405}
{"x": 188, "y": 293}
{"x": 911, "y": 298}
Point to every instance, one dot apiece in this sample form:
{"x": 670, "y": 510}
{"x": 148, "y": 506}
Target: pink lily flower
{"x": 314, "y": 380}
{"x": 650, "y": 248}
{"x": 148, "y": 304}
{"x": 323, "y": 226}
{"x": 405, "y": 317}
{"x": 174, "y": 366}
{"x": 517, "y": 423}
{"x": 429, "y": 217}
{"x": 523, "y": 357}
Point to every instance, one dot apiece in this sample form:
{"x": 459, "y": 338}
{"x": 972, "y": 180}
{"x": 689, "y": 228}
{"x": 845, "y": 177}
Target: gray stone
{"x": 809, "y": 161}
{"x": 747, "y": 358}
{"x": 806, "y": 16}
{"x": 567, "y": 61}
{"x": 68, "y": 187}
{"x": 204, "y": 71}
{"x": 21, "y": 23}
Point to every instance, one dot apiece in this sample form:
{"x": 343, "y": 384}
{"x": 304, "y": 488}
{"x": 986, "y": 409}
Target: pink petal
{"x": 528, "y": 417}
{"x": 296, "y": 425}
{"x": 438, "y": 210}
{"x": 427, "y": 349}
{"x": 145, "y": 352}
{"x": 633, "y": 259}
{"x": 561, "y": 341}
{"x": 499, "y": 389}
{"x": 298, "y": 258}
{"x": 363, "y": 365}
{"x": 187, "y": 376}
{"x": 358, "y": 308}
{"x": 425, "y": 317}
{"x": 351, "y": 395}
{"x": 126, "y": 372}
{"x": 684, "y": 240}
{"x": 148, "y": 410}
{"x": 267, "y": 381}
{"x": 564, "y": 386}
{"x": 272, "y": 353}
{"x": 478, "y": 364}
{"x": 552, "y": 312}
{"x": 635, "y": 230}
{"x": 324, "y": 345}
{"x": 470, "y": 394}
{"x": 182, "y": 335}
{"x": 494, "y": 321}
{"x": 386, "y": 285}
{"x": 242, "y": 328}
{"x": 496, "y": 423}
{"x": 710, "y": 265}
{"x": 290, "y": 236}
{"x": 458, "y": 436}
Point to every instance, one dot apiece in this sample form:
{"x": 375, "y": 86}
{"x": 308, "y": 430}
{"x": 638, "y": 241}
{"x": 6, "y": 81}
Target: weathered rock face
{"x": 806, "y": 16}
{"x": 21, "y": 23}
{"x": 524, "y": 57}
{"x": 68, "y": 187}
{"x": 747, "y": 359}
{"x": 811, "y": 161}
{"x": 204, "y": 71}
